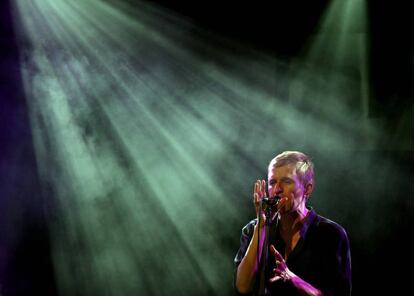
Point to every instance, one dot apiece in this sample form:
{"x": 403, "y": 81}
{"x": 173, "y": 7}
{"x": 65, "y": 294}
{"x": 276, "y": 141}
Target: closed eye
{"x": 287, "y": 180}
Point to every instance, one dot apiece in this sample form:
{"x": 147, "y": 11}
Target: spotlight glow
{"x": 134, "y": 119}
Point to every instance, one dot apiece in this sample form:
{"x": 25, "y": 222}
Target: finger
{"x": 263, "y": 188}
{"x": 282, "y": 202}
{"x": 263, "y": 216}
{"x": 275, "y": 278}
{"x": 277, "y": 255}
{"x": 256, "y": 190}
{"x": 273, "y": 249}
{"x": 256, "y": 187}
{"x": 256, "y": 201}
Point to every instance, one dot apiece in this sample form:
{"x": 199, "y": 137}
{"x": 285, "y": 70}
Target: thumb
{"x": 262, "y": 219}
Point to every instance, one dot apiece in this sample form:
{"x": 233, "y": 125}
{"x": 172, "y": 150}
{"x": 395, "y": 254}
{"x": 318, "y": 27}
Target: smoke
{"x": 152, "y": 138}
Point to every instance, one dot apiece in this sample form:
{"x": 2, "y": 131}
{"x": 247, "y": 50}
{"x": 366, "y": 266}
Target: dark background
{"x": 380, "y": 262}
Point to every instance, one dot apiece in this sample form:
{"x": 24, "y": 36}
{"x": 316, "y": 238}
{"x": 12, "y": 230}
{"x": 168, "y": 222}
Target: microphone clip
{"x": 268, "y": 204}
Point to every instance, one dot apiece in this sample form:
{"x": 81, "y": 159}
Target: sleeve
{"x": 245, "y": 238}
{"x": 339, "y": 267}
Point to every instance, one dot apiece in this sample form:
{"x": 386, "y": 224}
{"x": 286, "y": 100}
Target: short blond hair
{"x": 304, "y": 165}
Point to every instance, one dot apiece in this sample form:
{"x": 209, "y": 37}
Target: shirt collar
{"x": 310, "y": 217}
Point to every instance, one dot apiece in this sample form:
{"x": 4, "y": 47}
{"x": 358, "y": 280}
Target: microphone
{"x": 271, "y": 201}
{"x": 268, "y": 204}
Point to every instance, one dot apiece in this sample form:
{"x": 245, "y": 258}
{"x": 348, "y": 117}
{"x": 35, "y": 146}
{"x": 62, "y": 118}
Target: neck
{"x": 293, "y": 220}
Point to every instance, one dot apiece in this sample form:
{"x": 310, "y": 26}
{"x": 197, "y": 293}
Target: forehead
{"x": 288, "y": 170}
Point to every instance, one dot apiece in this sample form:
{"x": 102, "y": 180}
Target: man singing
{"x": 296, "y": 251}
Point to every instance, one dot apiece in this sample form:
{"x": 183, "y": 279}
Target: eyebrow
{"x": 273, "y": 180}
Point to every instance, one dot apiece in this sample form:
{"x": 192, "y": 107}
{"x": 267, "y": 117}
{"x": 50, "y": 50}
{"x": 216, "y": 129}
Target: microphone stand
{"x": 270, "y": 204}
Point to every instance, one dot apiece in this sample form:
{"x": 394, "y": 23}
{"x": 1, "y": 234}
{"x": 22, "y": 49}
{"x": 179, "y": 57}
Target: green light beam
{"x": 144, "y": 135}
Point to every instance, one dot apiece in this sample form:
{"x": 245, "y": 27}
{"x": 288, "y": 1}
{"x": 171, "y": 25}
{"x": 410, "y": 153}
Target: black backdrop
{"x": 379, "y": 262}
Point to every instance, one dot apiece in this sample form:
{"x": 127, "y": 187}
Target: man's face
{"x": 284, "y": 182}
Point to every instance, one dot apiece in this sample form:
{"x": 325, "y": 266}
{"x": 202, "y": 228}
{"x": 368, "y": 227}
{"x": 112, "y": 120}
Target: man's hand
{"x": 281, "y": 271}
{"x": 258, "y": 194}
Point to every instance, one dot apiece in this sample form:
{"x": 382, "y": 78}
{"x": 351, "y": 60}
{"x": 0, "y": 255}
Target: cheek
{"x": 290, "y": 188}
{"x": 298, "y": 191}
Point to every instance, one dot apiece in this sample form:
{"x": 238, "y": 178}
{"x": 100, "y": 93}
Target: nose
{"x": 276, "y": 189}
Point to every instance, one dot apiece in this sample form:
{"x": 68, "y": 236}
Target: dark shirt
{"x": 321, "y": 257}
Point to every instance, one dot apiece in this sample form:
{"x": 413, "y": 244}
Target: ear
{"x": 308, "y": 190}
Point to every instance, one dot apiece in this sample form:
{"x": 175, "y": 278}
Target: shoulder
{"x": 330, "y": 229}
